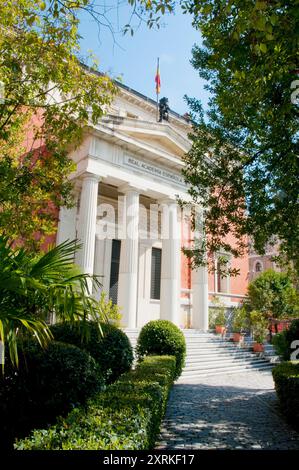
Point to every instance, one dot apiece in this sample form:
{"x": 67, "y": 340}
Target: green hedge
{"x": 286, "y": 378}
{"x": 112, "y": 350}
{"x": 126, "y": 416}
{"x": 162, "y": 337}
{"x": 48, "y": 382}
{"x": 281, "y": 345}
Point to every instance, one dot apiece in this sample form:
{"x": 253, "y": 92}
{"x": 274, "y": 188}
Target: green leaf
{"x": 263, "y": 47}
{"x": 273, "y": 19}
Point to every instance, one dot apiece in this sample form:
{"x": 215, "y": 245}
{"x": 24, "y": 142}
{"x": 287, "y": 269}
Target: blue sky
{"x": 134, "y": 58}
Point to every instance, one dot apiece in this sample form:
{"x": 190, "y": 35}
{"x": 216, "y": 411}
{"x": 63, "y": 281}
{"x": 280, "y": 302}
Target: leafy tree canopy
{"x": 46, "y": 99}
{"x": 273, "y": 294}
{"x": 243, "y": 165}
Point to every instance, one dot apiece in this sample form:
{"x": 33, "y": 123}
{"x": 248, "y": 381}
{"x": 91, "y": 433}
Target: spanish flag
{"x": 157, "y": 79}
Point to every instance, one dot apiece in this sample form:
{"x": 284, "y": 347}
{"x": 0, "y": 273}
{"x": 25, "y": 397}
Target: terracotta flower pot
{"x": 258, "y": 347}
{"x": 220, "y": 329}
{"x": 238, "y": 337}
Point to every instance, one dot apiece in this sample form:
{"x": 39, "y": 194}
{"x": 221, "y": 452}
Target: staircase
{"x": 132, "y": 334}
{"x": 209, "y": 355}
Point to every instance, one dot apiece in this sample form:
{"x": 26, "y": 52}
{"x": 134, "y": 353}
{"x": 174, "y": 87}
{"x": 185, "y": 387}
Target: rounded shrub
{"x": 111, "y": 350}
{"x": 162, "y": 337}
{"x": 47, "y": 383}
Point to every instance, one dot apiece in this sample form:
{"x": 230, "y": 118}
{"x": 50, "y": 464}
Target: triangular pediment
{"x": 163, "y": 142}
{"x": 162, "y": 137}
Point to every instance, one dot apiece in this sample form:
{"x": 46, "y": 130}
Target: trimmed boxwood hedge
{"x": 286, "y": 378}
{"x": 126, "y": 416}
{"x": 47, "y": 383}
{"x": 162, "y": 337}
{"x": 112, "y": 350}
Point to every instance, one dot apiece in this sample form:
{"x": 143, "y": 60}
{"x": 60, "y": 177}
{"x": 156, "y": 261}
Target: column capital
{"x": 90, "y": 176}
{"x": 130, "y": 188}
{"x": 167, "y": 200}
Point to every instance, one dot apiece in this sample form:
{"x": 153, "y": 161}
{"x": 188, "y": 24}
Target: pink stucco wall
{"x": 238, "y": 284}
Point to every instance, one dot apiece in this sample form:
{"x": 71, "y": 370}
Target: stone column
{"x": 128, "y": 268}
{"x": 87, "y": 223}
{"x": 200, "y": 296}
{"x": 171, "y": 262}
{"x": 102, "y": 264}
{"x": 200, "y": 289}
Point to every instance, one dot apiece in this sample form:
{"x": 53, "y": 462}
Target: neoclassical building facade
{"x": 131, "y": 227}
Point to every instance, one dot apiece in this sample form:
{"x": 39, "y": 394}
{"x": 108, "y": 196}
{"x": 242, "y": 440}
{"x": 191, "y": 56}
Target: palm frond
{"x": 33, "y": 287}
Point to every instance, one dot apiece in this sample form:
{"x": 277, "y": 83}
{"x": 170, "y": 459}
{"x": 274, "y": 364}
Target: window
{"x": 114, "y": 271}
{"x": 222, "y": 279}
{"x": 258, "y": 267}
{"x": 221, "y": 282}
{"x": 156, "y": 273}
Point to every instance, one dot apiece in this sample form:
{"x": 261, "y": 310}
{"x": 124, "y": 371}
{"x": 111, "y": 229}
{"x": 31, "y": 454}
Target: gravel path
{"x": 226, "y": 412}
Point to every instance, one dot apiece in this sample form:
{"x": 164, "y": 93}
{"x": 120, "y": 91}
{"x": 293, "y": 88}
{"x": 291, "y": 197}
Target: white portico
{"x": 127, "y": 217}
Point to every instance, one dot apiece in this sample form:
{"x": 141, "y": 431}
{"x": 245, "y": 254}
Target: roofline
{"x": 135, "y": 92}
{"x": 146, "y": 98}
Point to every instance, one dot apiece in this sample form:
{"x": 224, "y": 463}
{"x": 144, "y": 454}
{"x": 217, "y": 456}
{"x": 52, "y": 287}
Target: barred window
{"x": 156, "y": 273}
{"x": 258, "y": 267}
{"x": 114, "y": 271}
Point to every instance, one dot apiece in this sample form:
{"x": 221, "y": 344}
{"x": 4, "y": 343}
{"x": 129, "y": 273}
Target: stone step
{"x": 210, "y": 341}
{"x": 201, "y": 336}
{"x": 212, "y": 344}
{"x": 209, "y": 348}
{"x": 197, "y": 332}
{"x": 208, "y": 354}
{"x": 207, "y": 351}
{"x": 239, "y": 370}
{"x": 211, "y": 360}
{"x": 213, "y": 366}
{"x": 192, "y": 350}
{"x": 227, "y": 369}
{"x": 216, "y": 354}
{"x": 215, "y": 359}
{"x": 217, "y": 362}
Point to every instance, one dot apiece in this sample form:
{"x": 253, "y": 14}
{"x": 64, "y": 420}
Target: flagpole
{"x": 157, "y": 89}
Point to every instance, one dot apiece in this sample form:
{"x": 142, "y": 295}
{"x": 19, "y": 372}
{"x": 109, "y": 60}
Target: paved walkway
{"x": 226, "y": 412}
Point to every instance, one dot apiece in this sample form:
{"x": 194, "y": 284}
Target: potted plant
{"x": 240, "y": 324}
{"x": 220, "y": 321}
{"x": 259, "y": 329}
{"x": 259, "y": 338}
{"x": 217, "y": 318}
